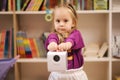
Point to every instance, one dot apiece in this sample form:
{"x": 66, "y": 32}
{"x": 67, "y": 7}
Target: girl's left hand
{"x": 64, "y": 46}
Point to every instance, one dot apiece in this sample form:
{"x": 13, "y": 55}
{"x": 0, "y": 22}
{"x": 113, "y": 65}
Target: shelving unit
{"x": 95, "y": 26}
{"x": 115, "y": 31}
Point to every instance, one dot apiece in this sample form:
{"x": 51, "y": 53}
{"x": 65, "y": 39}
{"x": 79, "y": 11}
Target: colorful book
{"x": 37, "y": 5}
{"x": 20, "y": 47}
{"x": 28, "y": 52}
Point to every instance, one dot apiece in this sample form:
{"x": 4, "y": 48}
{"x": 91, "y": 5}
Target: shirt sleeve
{"x": 76, "y": 39}
{"x": 51, "y": 38}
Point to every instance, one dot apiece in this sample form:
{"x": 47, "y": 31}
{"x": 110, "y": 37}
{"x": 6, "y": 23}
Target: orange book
{"x": 36, "y": 46}
{"x": 33, "y": 48}
{"x": 2, "y": 43}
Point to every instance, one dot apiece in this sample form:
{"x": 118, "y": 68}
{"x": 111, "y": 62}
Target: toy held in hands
{"x": 57, "y": 61}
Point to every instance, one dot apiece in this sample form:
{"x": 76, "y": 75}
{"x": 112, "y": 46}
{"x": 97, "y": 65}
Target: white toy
{"x": 57, "y": 61}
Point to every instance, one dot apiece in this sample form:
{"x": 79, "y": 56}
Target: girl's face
{"x": 62, "y": 20}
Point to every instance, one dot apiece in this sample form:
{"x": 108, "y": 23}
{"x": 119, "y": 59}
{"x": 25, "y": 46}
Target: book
{"x": 30, "y": 5}
{"x": 33, "y": 48}
{"x": 25, "y": 4}
{"x": 28, "y": 52}
{"x": 100, "y": 4}
{"x": 2, "y": 43}
{"x": 10, "y": 53}
{"x": 4, "y": 5}
{"x": 18, "y": 5}
{"x": 6, "y": 45}
{"x": 20, "y": 47}
{"x": 91, "y": 50}
{"x": 103, "y": 49}
{"x": 20, "y": 43}
{"x": 37, "y": 48}
{"x": 37, "y": 5}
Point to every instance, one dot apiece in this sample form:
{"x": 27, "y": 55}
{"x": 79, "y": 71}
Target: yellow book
{"x": 37, "y": 5}
{"x": 100, "y": 4}
{"x": 9, "y": 5}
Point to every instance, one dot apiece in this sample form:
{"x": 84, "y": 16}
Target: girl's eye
{"x": 58, "y": 21}
{"x": 65, "y": 20}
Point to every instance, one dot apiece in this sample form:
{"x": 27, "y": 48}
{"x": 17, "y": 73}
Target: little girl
{"x": 66, "y": 37}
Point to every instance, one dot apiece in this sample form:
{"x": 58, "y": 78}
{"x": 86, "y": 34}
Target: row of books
{"x": 6, "y": 5}
{"x": 116, "y": 46}
{"x": 95, "y": 50}
{"x": 116, "y": 5}
{"x": 29, "y": 47}
{"x": 38, "y": 5}
{"x": 29, "y": 5}
{"x": 6, "y": 44}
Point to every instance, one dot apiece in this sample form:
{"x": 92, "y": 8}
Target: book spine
{"x": 33, "y": 49}
{"x": 25, "y": 5}
{"x": 2, "y": 44}
{"x": 20, "y": 47}
{"x": 28, "y": 52}
{"x": 29, "y": 7}
{"x": 18, "y": 5}
{"x": 6, "y": 45}
{"x": 4, "y": 5}
{"x": 36, "y": 47}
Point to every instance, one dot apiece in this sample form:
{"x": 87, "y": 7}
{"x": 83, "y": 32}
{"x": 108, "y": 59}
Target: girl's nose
{"x": 61, "y": 24}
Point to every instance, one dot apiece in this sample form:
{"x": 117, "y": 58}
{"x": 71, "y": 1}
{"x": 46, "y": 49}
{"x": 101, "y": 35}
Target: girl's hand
{"x": 17, "y": 57}
{"x": 64, "y": 46}
{"x": 52, "y": 46}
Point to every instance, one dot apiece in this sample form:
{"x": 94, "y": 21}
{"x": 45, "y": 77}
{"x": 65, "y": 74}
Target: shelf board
{"x": 115, "y": 60}
{"x": 92, "y": 11}
{"x": 30, "y": 12}
{"x": 95, "y": 59}
{"x": 32, "y": 60}
{"x": 116, "y": 11}
{"x": 79, "y": 12}
{"x": 88, "y": 59}
{"x": 6, "y": 12}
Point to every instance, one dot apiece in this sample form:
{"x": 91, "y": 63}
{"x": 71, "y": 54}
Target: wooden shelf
{"x": 31, "y": 60}
{"x": 88, "y": 59}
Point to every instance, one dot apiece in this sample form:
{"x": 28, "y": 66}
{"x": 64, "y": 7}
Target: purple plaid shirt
{"x": 5, "y": 65}
{"x": 77, "y": 44}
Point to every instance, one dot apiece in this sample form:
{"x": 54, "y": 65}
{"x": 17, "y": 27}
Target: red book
{"x": 2, "y": 43}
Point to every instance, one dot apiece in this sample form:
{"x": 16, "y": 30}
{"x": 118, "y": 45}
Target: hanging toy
{"x": 48, "y": 16}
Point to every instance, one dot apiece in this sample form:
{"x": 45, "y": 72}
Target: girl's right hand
{"x": 52, "y": 46}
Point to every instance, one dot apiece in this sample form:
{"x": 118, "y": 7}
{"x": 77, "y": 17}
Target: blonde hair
{"x": 73, "y": 14}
